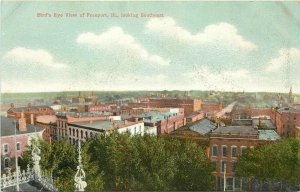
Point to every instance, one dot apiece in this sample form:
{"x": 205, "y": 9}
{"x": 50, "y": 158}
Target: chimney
{"x": 12, "y": 106}
{"x": 125, "y": 122}
{"x": 22, "y": 123}
{"x": 115, "y": 124}
{"x": 136, "y": 119}
{"x": 29, "y": 105}
{"x": 31, "y": 119}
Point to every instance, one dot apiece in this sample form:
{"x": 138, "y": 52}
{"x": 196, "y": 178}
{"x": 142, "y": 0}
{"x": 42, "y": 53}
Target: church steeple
{"x": 291, "y": 99}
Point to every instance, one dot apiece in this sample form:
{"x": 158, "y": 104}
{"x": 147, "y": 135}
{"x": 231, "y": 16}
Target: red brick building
{"x": 48, "y": 122}
{"x": 211, "y": 107}
{"x": 286, "y": 121}
{"x": 64, "y": 118}
{"x": 97, "y": 108}
{"x": 195, "y": 116}
{"x": 29, "y": 112}
{"x": 227, "y": 144}
{"x": 189, "y": 105}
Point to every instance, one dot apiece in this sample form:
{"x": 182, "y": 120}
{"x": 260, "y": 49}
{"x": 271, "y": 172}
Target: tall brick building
{"x": 227, "y": 144}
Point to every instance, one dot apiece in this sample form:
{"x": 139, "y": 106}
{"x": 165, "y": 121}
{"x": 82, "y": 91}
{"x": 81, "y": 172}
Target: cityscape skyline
{"x": 224, "y": 50}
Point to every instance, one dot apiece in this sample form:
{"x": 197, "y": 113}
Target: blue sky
{"x": 224, "y": 46}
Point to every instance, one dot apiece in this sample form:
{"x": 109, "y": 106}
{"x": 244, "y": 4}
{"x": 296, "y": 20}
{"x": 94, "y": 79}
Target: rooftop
{"x": 203, "y": 126}
{"x": 236, "y": 130}
{"x": 268, "y": 135}
{"x": 32, "y": 108}
{"x": 8, "y": 127}
{"x": 154, "y": 116}
{"x": 265, "y": 122}
{"x": 73, "y": 114}
{"x": 241, "y": 122}
{"x": 288, "y": 109}
{"x": 102, "y": 125}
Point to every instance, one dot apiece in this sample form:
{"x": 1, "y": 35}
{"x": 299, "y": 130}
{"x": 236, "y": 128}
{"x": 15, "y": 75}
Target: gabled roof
{"x": 203, "y": 127}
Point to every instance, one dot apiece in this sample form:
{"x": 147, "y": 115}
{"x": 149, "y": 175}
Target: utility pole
{"x": 224, "y": 187}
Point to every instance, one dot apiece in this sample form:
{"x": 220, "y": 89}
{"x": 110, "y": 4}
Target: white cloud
{"x": 30, "y": 57}
{"x": 286, "y": 56}
{"x": 221, "y": 34}
{"x": 116, "y": 41}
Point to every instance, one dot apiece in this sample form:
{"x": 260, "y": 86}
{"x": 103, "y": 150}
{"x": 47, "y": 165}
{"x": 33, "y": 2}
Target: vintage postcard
{"x": 150, "y": 96}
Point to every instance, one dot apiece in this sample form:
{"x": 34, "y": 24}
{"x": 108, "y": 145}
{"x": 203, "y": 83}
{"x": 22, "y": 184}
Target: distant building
{"x": 211, "y": 107}
{"x": 29, "y": 112}
{"x": 195, "y": 116}
{"x": 97, "y": 108}
{"x": 15, "y": 137}
{"x": 165, "y": 122}
{"x": 189, "y": 105}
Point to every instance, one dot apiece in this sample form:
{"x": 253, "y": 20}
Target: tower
{"x": 291, "y": 99}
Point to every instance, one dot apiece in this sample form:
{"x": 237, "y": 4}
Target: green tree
{"x": 272, "y": 162}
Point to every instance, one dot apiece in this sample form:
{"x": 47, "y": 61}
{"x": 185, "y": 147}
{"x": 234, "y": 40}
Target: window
{"x": 70, "y": 132}
{"x": 86, "y": 134}
{"x": 243, "y": 150}
{"x": 5, "y": 148}
{"x": 233, "y": 151}
{"x": 6, "y": 163}
{"x": 77, "y": 133}
{"x": 215, "y": 150}
{"x": 232, "y": 166}
{"x": 81, "y": 134}
{"x": 223, "y": 166}
{"x": 214, "y": 165}
{"x": 73, "y": 132}
{"x": 18, "y": 146}
{"x": 224, "y": 151}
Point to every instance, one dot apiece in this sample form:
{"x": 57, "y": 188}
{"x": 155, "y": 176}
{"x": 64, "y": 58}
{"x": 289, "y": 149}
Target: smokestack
{"x": 22, "y": 123}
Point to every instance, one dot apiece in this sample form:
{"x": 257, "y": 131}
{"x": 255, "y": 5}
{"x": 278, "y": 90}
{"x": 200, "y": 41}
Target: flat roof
{"x": 268, "y": 135}
{"x": 155, "y": 116}
{"x": 288, "y": 109}
{"x": 266, "y": 122}
{"x": 236, "y": 130}
{"x": 100, "y": 125}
